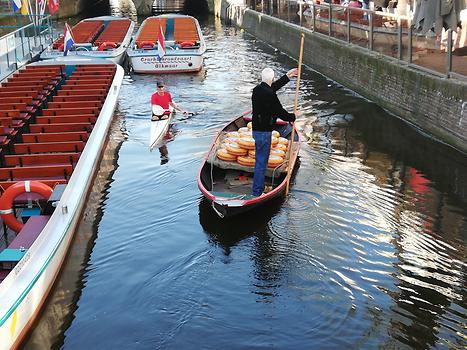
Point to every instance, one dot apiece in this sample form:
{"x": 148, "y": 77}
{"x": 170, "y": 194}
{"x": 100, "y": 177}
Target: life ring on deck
{"x": 107, "y": 45}
{"x": 235, "y": 149}
{"x": 187, "y": 44}
{"x": 6, "y": 201}
{"x": 246, "y": 142}
{"x": 222, "y": 154}
{"x": 146, "y": 45}
{"x": 275, "y": 161}
{"x": 247, "y": 161}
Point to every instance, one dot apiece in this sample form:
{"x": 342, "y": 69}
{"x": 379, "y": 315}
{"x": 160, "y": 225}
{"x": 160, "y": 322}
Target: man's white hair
{"x": 267, "y": 75}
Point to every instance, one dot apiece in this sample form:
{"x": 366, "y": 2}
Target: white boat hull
{"x": 117, "y": 56}
{"x": 158, "y": 131}
{"x": 26, "y": 287}
{"x": 149, "y": 63}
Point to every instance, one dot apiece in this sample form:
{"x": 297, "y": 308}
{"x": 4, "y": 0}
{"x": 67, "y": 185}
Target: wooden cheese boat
{"x": 183, "y": 40}
{"x": 99, "y": 37}
{"x": 227, "y": 185}
{"x": 55, "y": 128}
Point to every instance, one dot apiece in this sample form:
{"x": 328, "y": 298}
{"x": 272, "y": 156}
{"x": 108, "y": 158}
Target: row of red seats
{"x": 83, "y": 32}
{"x": 57, "y": 134}
{"x": 114, "y": 32}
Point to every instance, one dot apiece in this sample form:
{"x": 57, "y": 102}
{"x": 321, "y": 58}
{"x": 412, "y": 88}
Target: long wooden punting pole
{"x": 295, "y": 108}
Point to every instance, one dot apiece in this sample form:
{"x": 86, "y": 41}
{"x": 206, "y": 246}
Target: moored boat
{"x": 99, "y": 37}
{"x": 55, "y": 117}
{"x": 183, "y": 42}
{"x": 226, "y": 175}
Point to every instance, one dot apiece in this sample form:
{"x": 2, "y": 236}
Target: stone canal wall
{"x": 436, "y": 105}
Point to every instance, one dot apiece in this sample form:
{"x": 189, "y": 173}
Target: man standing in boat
{"x": 266, "y": 109}
{"x": 164, "y": 99}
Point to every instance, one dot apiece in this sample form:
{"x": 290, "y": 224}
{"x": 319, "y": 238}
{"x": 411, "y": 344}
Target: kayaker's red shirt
{"x": 162, "y": 101}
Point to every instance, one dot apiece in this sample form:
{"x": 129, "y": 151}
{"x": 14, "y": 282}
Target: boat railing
{"x": 388, "y": 33}
{"x": 23, "y": 43}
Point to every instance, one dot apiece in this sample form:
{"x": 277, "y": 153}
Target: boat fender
{"x": 187, "y": 44}
{"x": 146, "y": 45}
{"x": 107, "y": 45}
{"x": 6, "y": 201}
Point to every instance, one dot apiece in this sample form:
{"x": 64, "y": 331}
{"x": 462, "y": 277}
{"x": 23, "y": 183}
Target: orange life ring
{"x": 107, "y": 45}
{"x": 236, "y": 150}
{"x": 222, "y": 154}
{"x": 6, "y": 201}
{"x": 247, "y": 161}
{"x": 246, "y": 142}
{"x": 187, "y": 44}
{"x": 146, "y": 45}
{"x": 275, "y": 161}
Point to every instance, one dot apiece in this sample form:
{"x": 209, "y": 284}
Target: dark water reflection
{"x": 368, "y": 250}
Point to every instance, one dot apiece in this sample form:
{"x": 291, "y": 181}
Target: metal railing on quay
{"x": 387, "y": 33}
{"x": 22, "y": 43}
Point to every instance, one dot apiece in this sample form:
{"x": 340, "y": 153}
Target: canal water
{"x": 367, "y": 251}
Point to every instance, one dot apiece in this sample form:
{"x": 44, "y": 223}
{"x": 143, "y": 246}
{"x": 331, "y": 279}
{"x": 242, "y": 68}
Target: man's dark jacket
{"x": 267, "y": 107}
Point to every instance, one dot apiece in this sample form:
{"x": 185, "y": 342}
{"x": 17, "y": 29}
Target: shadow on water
{"x": 62, "y": 301}
{"x": 228, "y": 232}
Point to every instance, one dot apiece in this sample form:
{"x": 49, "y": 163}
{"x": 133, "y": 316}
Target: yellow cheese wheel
{"x": 249, "y": 125}
{"x": 283, "y": 141}
{"x": 246, "y": 142}
{"x": 275, "y": 161}
{"x": 244, "y": 129}
{"x": 233, "y": 134}
{"x": 276, "y": 133}
{"x": 277, "y": 152}
{"x": 274, "y": 140}
{"x": 247, "y": 161}
{"x": 224, "y": 155}
{"x": 235, "y": 149}
{"x": 281, "y": 146}
{"x": 252, "y": 153}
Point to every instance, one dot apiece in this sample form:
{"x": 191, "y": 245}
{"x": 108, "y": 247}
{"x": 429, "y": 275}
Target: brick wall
{"x": 436, "y": 105}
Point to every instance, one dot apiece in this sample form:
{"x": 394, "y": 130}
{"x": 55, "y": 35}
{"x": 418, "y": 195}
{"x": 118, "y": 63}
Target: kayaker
{"x": 266, "y": 109}
{"x": 163, "y": 98}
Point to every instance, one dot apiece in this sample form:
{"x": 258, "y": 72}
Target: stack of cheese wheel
{"x": 223, "y": 154}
